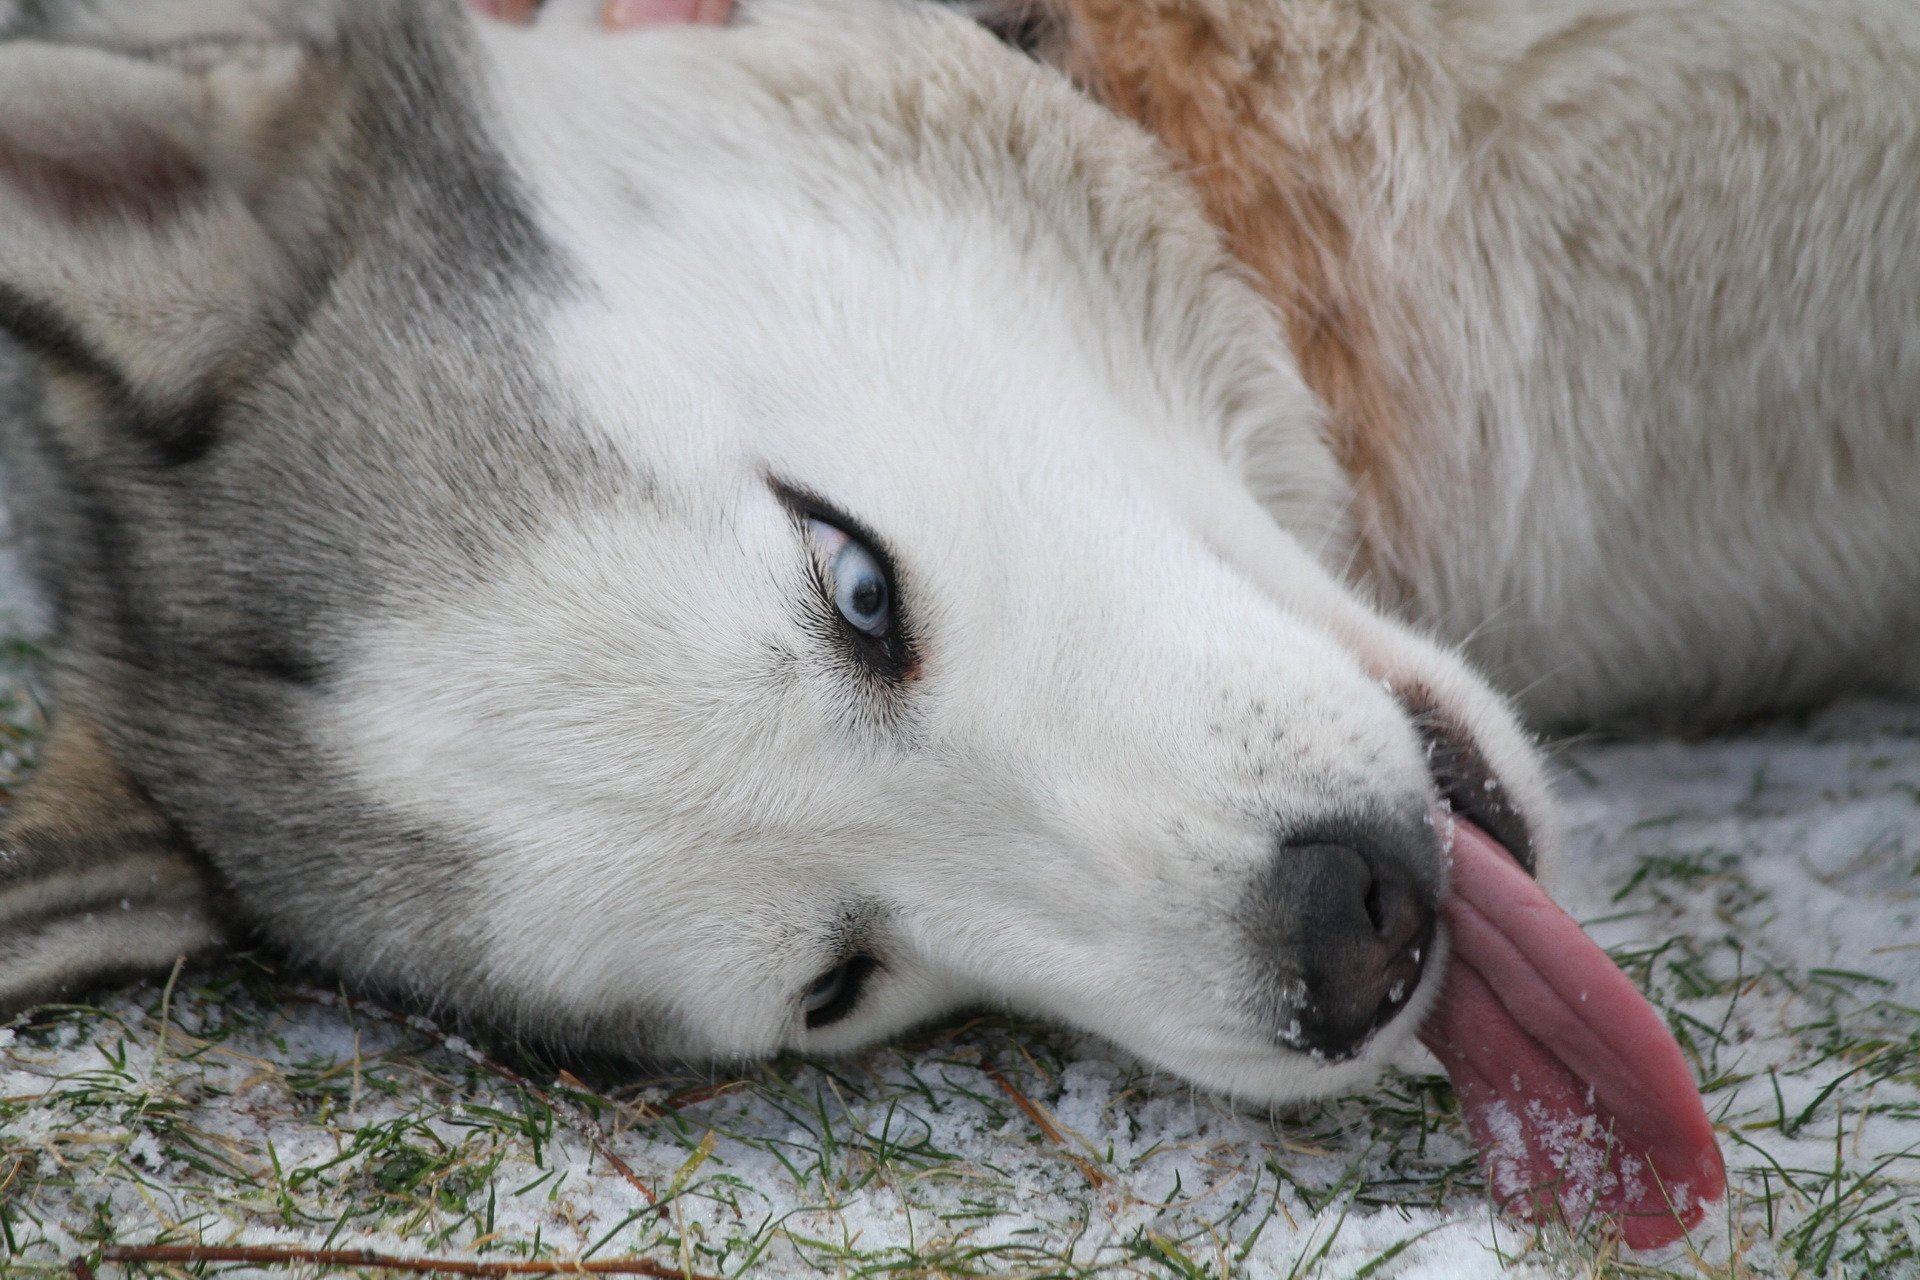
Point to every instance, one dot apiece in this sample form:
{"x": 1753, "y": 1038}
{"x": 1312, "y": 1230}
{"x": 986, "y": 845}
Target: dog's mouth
{"x": 1577, "y": 1093}
{"x": 1466, "y": 783}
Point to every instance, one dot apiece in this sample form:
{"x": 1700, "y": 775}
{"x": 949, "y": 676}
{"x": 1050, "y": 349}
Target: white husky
{"x": 730, "y": 541}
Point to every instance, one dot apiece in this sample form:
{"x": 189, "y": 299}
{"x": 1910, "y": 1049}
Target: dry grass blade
{"x": 1045, "y": 1124}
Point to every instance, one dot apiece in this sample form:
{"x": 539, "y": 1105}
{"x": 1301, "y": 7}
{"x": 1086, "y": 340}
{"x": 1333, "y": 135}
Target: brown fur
{"x": 83, "y": 844}
{"x": 1218, "y": 84}
{"x": 81, "y": 795}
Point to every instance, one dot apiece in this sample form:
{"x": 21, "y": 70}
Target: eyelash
{"x": 890, "y": 656}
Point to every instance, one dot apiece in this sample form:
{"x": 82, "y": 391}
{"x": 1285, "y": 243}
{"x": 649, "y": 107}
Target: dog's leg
{"x": 94, "y": 882}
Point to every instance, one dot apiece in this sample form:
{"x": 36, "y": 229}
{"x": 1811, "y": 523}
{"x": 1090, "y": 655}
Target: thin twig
{"x": 598, "y": 1140}
{"x": 1044, "y": 1122}
{"x": 80, "y": 1269}
{"x": 187, "y": 1255}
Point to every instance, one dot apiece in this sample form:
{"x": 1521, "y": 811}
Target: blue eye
{"x": 855, "y": 579}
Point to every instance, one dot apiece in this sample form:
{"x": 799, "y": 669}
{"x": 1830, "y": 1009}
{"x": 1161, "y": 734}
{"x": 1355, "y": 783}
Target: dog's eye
{"x": 862, "y": 612}
{"x": 835, "y": 993}
{"x": 855, "y": 578}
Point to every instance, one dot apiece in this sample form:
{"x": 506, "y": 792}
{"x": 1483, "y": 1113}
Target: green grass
{"x": 236, "y": 1127}
{"x": 232, "y": 1126}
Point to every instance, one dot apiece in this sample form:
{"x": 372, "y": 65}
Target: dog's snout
{"x": 1347, "y": 927}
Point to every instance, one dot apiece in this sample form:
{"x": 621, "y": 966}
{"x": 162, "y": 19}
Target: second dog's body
{"x": 1615, "y": 308}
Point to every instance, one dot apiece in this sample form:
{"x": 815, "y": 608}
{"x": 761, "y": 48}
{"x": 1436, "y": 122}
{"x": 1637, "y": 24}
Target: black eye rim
{"x": 853, "y": 974}
{"x": 892, "y": 654}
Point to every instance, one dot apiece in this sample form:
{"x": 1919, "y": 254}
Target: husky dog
{"x": 732, "y": 541}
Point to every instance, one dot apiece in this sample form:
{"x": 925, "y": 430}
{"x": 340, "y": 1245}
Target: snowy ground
{"x": 1761, "y": 887}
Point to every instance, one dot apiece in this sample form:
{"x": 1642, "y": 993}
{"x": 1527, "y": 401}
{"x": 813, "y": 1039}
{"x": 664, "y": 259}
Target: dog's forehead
{"x": 857, "y": 208}
{"x": 863, "y": 250}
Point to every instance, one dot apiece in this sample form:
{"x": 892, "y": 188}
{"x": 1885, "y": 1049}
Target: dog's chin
{"x": 1270, "y": 1074}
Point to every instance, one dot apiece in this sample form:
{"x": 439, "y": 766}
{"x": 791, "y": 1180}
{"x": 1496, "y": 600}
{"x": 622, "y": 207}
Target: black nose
{"x": 1342, "y": 928}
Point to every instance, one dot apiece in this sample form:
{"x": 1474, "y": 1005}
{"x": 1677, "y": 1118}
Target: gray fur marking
{"x": 194, "y": 629}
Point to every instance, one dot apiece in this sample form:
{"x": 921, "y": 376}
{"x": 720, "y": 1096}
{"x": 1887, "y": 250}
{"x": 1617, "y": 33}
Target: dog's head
{"x": 724, "y": 541}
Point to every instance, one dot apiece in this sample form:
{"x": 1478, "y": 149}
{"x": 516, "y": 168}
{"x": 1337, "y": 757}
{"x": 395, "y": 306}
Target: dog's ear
{"x": 156, "y": 204}
{"x": 95, "y": 884}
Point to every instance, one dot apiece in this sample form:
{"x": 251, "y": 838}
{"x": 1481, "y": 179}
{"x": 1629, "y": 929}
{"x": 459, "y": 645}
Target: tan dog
{"x": 1614, "y": 309}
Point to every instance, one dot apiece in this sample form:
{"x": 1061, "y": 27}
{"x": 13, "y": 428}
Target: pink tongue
{"x": 1571, "y": 1083}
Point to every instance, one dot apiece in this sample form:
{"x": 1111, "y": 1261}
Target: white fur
{"x": 1133, "y": 677}
{"x": 1645, "y": 276}
{"x": 854, "y": 247}
{"x": 1084, "y": 441}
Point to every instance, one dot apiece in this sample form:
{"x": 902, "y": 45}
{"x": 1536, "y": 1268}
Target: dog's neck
{"x": 1285, "y": 193}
